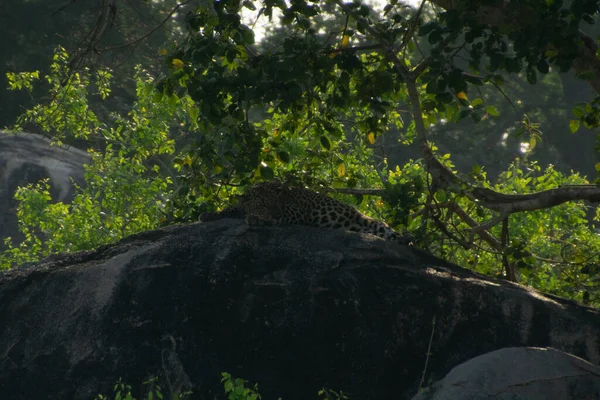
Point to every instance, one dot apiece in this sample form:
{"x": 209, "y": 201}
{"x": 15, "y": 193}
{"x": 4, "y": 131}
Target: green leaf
{"x": 193, "y": 113}
{"x": 283, "y": 156}
{"x": 473, "y": 79}
{"x": 476, "y": 115}
{"x": 465, "y": 112}
{"x": 531, "y": 75}
{"x": 444, "y": 97}
{"x": 441, "y": 196}
{"x": 579, "y": 112}
{"x": 574, "y": 125}
{"x": 325, "y": 142}
{"x": 469, "y": 36}
{"x": 513, "y": 64}
{"x": 493, "y": 111}
{"x": 247, "y": 34}
{"x": 543, "y": 66}
{"x": 249, "y": 5}
{"x": 266, "y": 172}
{"x": 432, "y": 87}
{"x": 435, "y": 37}
{"x": 495, "y": 61}
{"x": 456, "y": 81}
{"x": 425, "y": 29}
{"x": 533, "y": 142}
{"x": 477, "y": 101}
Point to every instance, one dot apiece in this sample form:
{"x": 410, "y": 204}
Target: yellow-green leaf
{"x": 177, "y": 63}
{"x": 342, "y": 169}
{"x": 345, "y": 41}
{"x": 574, "y": 125}
{"x": 440, "y": 196}
{"x": 532, "y": 142}
{"x": 193, "y": 111}
{"x": 493, "y": 111}
{"x": 371, "y": 137}
{"x": 325, "y": 142}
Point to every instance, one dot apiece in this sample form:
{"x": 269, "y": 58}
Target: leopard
{"x": 275, "y": 202}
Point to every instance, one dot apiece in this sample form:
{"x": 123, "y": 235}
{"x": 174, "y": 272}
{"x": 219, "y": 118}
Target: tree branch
{"x": 512, "y": 203}
{"x": 443, "y": 177}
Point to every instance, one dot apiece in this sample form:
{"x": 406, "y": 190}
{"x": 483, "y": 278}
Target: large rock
{"x": 519, "y": 373}
{"x": 292, "y": 308}
{"x": 28, "y": 158}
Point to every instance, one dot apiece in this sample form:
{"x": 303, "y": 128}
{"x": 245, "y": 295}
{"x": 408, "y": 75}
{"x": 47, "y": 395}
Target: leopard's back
{"x": 277, "y": 203}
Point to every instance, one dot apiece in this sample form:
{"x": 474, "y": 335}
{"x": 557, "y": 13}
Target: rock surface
{"x": 519, "y": 373}
{"x": 28, "y": 158}
{"x": 293, "y": 308}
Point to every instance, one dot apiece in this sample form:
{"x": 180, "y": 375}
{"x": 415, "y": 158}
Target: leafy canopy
{"x": 316, "y": 103}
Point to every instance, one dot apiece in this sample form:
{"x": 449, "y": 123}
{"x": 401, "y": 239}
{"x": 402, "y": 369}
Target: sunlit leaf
{"x": 493, "y": 111}
{"x": 532, "y": 142}
{"x": 177, "y": 63}
{"x": 371, "y": 137}
{"x": 574, "y": 125}
{"x": 345, "y": 41}
{"x": 342, "y": 169}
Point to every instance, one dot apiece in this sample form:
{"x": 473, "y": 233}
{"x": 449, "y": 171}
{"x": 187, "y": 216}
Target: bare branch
{"x": 493, "y": 222}
{"x": 485, "y": 235}
{"x": 151, "y": 31}
{"x": 103, "y": 23}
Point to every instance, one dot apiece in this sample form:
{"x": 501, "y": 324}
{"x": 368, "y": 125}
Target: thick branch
{"x": 512, "y": 203}
{"x": 442, "y": 176}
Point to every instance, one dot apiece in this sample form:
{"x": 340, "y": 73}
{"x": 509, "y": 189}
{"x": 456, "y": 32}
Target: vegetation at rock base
{"x": 235, "y": 389}
{"x": 123, "y": 391}
{"x": 461, "y": 122}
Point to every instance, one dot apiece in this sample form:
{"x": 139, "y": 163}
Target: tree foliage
{"x": 125, "y": 191}
{"x": 315, "y": 104}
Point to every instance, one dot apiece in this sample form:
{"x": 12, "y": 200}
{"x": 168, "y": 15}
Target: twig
{"x": 428, "y": 354}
